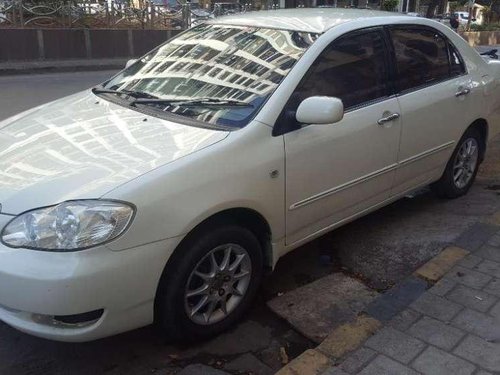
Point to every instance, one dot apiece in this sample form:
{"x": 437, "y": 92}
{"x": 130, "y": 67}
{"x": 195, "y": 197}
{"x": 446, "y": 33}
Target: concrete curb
{"x": 350, "y": 336}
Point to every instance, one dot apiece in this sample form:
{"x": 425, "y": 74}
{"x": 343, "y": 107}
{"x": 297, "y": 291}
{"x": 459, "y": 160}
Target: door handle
{"x": 391, "y": 117}
{"x": 462, "y": 92}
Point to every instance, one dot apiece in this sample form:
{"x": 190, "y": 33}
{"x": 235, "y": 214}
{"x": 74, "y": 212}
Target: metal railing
{"x": 111, "y": 14}
{"x": 108, "y": 14}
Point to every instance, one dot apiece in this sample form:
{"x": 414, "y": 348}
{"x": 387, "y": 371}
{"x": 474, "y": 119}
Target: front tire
{"x": 209, "y": 283}
{"x": 462, "y": 167}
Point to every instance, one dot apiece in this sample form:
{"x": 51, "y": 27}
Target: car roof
{"x": 315, "y": 20}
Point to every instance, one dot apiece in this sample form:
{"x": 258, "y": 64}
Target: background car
{"x": 463, "y": 17}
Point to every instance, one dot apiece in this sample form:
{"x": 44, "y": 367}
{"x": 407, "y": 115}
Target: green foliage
{"x": 490, "y": 27}
{"x": 487, "y": 13}
{"x": 475, "y": 27}
{"x": 389, "y": 4}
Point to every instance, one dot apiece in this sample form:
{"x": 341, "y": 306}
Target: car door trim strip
{"x": 426, "y": 153}
{"x": 345, "y": 186}
{"x": 369, "y": 176}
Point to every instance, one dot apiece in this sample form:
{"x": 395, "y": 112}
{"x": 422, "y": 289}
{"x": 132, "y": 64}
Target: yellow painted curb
{"x": 348, "y": 337}
{"x": 435, "y": 269}
{"x": 311, "y": 362}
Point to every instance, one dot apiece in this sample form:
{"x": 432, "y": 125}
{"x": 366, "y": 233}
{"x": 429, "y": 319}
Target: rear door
{"x": 434, "y": 93}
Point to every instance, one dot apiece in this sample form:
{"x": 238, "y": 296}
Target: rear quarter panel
{"x": 492, "y": 83}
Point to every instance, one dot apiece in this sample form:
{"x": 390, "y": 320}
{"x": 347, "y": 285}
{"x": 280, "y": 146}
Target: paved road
{"x": 21, "y": 92}
{"x": 380, "y": 249}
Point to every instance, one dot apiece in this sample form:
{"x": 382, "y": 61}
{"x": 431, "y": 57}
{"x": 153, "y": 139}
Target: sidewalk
{"x": 452, "y": 328}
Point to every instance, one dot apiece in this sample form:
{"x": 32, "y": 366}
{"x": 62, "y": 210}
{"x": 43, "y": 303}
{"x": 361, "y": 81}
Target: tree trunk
{"x": 470, "y": 18}
{"x": 432, "y": 7}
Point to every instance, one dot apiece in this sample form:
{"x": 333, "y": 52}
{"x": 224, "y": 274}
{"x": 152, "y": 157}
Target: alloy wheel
{"x": 217, "y": 284}
{"x": 465, "y": 163}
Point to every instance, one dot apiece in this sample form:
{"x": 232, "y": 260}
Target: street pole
{"x": 186, "y": 9}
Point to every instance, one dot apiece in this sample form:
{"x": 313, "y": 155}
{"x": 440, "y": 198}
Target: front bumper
{"x": 37, "y": 285}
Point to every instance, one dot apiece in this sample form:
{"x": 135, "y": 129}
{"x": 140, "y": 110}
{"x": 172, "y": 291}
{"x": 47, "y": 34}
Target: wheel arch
{"x": 247, "y": 218}
{"x": 243, "y": 216}
{"x": 481, "y": 125}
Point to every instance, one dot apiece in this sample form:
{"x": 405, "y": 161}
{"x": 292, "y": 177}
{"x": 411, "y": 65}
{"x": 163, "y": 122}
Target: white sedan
{"x": 164, "y": 194}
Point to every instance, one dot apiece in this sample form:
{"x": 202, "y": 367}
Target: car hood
{"x": 82, "y": 147}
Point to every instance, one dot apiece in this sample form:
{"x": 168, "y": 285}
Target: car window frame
{"x": 448, "y": 43}
{"x": 281, "y": 126}
{"x": 460, "y": 57}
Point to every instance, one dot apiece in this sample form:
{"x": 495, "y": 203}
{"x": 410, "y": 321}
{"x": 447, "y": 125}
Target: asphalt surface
{"x": 380, "y": 249}
{"x": 22, "y": 92}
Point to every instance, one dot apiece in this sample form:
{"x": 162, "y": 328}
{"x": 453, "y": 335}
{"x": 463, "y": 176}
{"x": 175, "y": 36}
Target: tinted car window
{"x": 352, "y": 68}
{"x": 421, "y": 57}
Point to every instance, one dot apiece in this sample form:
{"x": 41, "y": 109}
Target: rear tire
{"x": 462, "y": 167}
{"x": 203, "y": 290}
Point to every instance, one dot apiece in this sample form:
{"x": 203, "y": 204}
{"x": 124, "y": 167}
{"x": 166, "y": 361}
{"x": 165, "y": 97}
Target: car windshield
{"x": 215, "y": 74}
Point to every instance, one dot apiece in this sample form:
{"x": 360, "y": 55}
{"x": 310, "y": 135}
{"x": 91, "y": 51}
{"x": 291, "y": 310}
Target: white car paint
{"x": 79, "y": 147}
{"x": 320, "y": 110}
{"x": 177, "y": 176}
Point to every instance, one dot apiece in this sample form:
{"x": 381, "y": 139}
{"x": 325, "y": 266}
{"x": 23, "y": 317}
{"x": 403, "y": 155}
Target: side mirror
{"x": 320, "y": 110}
{"x": 130, "y": 62}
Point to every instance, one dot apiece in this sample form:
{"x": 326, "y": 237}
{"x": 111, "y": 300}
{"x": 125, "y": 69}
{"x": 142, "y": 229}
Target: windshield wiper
{"x": 132, "y": 93}
{"x": 194, "y": 102}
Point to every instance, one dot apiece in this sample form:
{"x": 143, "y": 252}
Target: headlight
{"x": 72, "y": 225}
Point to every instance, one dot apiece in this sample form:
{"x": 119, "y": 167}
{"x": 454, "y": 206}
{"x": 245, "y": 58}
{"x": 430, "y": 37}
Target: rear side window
{"x": 421, "y": 57}
{"x": 353, "y": 69}
{"x": 457, "y": 66}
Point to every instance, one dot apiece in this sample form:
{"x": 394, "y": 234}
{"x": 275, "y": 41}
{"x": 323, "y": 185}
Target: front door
{"x": 337, "y": 170}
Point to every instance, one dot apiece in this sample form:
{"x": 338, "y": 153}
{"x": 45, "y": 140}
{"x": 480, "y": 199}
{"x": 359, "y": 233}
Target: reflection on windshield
{"x": 218, "y": 62}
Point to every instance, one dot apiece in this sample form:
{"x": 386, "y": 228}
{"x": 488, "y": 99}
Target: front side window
{"x": 353, "y": 69}
{"x": 213, "y": 74}
{"x": 421, "y": 57}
